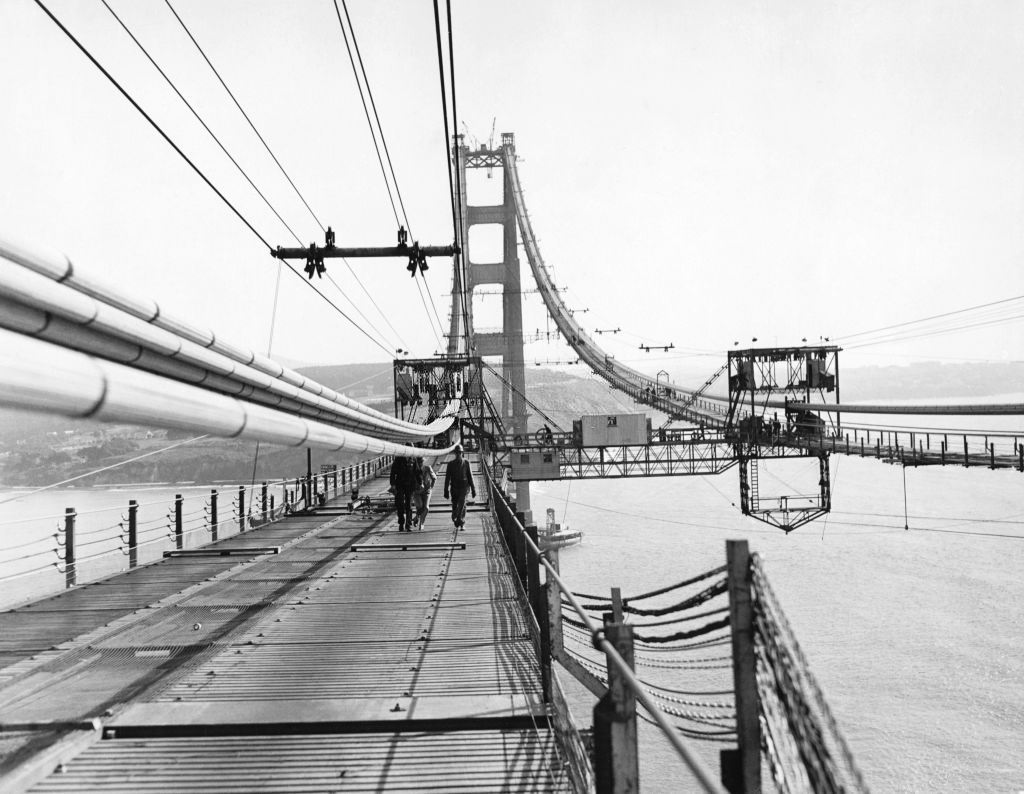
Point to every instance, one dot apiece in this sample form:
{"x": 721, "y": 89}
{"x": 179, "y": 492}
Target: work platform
{"x": 323, "y": 652}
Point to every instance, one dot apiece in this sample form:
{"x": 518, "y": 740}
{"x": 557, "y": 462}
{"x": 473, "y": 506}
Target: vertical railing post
{"x": 179, "y": 525}
{"x": 271, "y": 504}
{"x": 616, "y": 766}
{"x": 538, "y": 604}
{"x": 133, "y": 533}
{"x": 213, "y": 514}
{"x": 263, "y": 502}
{"x": 241, "y": 508}
{"x": 70, "y": 572}
{"x": 554, "y": 611}
{"x": 741, "y": 769}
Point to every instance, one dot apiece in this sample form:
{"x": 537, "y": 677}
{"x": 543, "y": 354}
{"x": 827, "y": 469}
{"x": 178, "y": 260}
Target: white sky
{"x": 697, "y": 173}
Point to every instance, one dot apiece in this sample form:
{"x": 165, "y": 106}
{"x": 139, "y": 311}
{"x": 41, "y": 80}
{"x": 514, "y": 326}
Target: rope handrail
{"x": 695, "y": 764}
{"x": 660, "y": 591}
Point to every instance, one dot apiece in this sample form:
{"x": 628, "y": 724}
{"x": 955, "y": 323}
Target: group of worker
{"x": 412, "y": 480}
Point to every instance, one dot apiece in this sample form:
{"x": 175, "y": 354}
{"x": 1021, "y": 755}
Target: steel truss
{"x": 691, "y": 458}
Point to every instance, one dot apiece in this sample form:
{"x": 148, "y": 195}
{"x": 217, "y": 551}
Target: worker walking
{"x": 458, "y": 481}
{"x": 421, "y": 497}
{"x": 404, "y": 482}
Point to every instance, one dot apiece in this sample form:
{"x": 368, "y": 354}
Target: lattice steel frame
{"x": 651, "y": 460}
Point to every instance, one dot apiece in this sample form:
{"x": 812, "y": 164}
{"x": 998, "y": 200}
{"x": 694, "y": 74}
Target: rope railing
{"x": 600, "y": 641}
{"x": 164, "y": 529}
{"x": 803, "y": 741}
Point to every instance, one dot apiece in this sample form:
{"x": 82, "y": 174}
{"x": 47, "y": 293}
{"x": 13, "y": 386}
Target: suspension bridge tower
{"x": 506, "y": 342}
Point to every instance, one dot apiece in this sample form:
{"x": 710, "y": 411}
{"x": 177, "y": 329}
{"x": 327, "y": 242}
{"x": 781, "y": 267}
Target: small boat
{"x": 555, "y": 536}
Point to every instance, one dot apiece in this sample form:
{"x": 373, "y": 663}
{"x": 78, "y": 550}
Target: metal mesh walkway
{"x": 341, "y": 662}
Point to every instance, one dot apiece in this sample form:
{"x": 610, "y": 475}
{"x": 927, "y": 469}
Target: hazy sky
{"x": 697, "y": 173}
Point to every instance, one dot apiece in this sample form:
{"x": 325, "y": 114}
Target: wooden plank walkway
{"x": 339, "y": 663}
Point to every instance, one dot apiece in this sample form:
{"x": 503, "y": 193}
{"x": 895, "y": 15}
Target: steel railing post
{"x": 241, "y": 508}
{"x": 70, "y": 573}
{"x": 133, "y": 533}
{"x": 263, "y": 502}
{"x": 741, "y": 769}
{"x": 616, "y": 767}
{"x": 213, "y": 514}
{"x": 179, "y": 526}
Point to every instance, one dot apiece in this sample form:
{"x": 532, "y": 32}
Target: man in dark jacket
{"x": 404, "y": 481}
{"x": 458, "y": 481}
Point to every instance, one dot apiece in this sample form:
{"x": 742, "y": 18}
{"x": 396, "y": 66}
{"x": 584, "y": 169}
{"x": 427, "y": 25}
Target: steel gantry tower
{"x": 507, "y": 342}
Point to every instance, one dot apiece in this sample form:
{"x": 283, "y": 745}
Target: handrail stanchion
{"x": 241, "y": 508}
{"x": 179, "y": 526}
{"x": 601, "y": 642}
{"x": 213, "y": 514}
{"x": 538, "y": 604}
{"x": 70, "y": 572}
{"x": 133, "y": 533}
{"x": 741, "y": 769}
{"x": 263, "y": 502}
{"x": 616, "y": 761}
{"x": 551, "y": 628}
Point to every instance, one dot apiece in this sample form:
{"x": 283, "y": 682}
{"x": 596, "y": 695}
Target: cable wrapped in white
{"x": 57, "y": 267}
{"x": 40, "y": 376}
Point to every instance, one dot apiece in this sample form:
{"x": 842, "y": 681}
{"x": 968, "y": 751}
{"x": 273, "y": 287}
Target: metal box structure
{"x": 614, "y": 430}
{"x": 535, "y": 464}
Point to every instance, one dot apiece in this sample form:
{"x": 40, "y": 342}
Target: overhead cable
{"x": 366, "y": 110}
{"x": 246, "y": 115}
{"x": 460, "y": 259}
{"x": 932, "y": 317}
{"x": 373, "y": 104}
{"x": 148, "y": 118}
{"x": 199, "y": 118}
{"x": 196, "y": 168}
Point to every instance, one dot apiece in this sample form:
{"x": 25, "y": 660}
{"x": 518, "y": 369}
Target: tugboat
{"x": 554, "y": 536}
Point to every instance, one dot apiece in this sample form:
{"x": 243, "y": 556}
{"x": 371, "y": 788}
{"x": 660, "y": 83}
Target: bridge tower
{"x": 507, "y": 342}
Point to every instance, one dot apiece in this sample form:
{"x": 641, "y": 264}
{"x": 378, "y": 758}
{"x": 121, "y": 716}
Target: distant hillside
{"x": 931, "y": 380}
{"x": 37, "y": 449}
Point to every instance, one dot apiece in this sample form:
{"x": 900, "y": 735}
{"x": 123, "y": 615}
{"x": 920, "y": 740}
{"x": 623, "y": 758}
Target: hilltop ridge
{"x": 38, "y": 449}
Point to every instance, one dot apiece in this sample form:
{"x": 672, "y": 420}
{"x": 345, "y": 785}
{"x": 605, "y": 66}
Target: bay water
{"x": 916, "y": 635}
